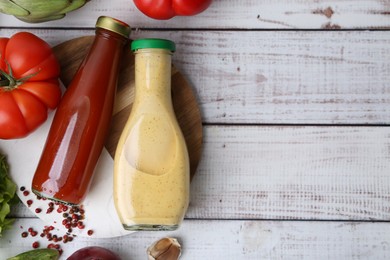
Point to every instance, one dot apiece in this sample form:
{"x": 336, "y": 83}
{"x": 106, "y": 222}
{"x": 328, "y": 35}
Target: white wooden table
{"x": 295, "y": 100}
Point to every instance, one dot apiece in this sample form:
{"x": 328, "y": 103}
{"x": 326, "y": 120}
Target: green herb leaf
{"x": 7, "y": 195}
{"x": 41, "y": 254}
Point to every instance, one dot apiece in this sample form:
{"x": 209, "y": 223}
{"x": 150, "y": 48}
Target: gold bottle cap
{"x": 113, "y": 25}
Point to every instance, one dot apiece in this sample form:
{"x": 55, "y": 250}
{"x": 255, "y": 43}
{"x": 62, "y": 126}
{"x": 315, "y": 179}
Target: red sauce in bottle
{"x": 80, "y": 125}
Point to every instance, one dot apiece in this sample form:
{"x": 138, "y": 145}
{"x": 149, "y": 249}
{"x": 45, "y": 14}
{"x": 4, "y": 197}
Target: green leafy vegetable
{"x": 37, "y": 11}
{"x": 41, "y": 254}
{"x": 7, "y": 195}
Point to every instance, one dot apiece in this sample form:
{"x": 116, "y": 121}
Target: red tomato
{"x": 166, "y": 9}
{"x": 29, "y": 84}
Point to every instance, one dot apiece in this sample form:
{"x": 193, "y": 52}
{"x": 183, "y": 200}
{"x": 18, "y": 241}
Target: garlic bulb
{"x": 164, "y": 249}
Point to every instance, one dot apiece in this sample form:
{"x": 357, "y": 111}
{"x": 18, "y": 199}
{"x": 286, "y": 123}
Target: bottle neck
{"x": 108, "y": 43}
{"x": 104, "y": 33}
{"x": 105, "y": 53}
{"x": 153, "y": 73}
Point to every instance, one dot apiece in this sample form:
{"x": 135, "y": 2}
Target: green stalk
{"x": 8, "y": 81}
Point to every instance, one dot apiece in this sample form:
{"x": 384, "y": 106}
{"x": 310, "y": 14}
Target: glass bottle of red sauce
{"x": 81, "y": 122}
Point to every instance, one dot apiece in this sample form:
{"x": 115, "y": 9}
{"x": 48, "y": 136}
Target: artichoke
{"x": 37, "y": 11}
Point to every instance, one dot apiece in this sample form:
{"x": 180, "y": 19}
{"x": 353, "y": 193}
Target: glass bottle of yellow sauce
{"x": 151, "y": 168}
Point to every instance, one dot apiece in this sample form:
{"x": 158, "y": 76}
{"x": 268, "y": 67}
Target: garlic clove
{"x": 164, "y": 249}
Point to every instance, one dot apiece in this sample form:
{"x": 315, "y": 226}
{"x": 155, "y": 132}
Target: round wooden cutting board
{"x": 71, "y": 53}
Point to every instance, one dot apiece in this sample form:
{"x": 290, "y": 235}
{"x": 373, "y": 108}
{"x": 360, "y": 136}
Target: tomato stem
{"x": 8, "y": 81}
{"x": 3, "y": 82}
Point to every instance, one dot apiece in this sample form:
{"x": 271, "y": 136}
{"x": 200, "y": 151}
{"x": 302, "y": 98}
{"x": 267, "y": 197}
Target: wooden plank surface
{"x": 277, "y": 77}
{"x": 275, "y": 182}
{"x": 340, "y": 173}
{"x": 304, "y": 173}
{"x": 232, "y": 14}
{"x": 234, "y": 240}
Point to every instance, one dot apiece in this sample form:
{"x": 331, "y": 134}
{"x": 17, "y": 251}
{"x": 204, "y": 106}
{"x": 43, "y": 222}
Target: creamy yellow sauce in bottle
{"x": 151, "y": 168}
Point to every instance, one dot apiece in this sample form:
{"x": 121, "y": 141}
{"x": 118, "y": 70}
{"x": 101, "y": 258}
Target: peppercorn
{"x": 35, "y": 244}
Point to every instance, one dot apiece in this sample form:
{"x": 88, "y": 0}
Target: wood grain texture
{"x": 305, "y": 173}
{"x": 311, "y": 173}
{"x": 70, "y": 55}
{"x": 303, "y": 77}
{"x": 246, "y": 71}
{"x": 232, "y": 14}
{"x": 288, "y": 77}
{"x": 234, "y": 240}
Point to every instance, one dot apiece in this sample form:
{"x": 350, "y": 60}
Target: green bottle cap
{"x": 153, "y": 43}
